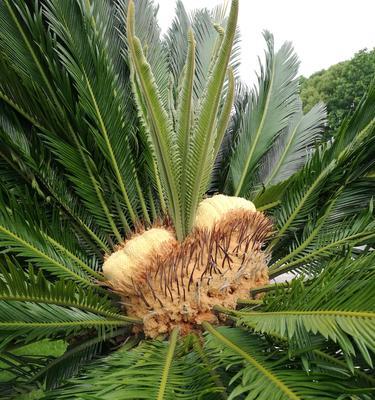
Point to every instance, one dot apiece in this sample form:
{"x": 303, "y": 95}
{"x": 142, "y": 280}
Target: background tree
{"x": 340, "y": 87}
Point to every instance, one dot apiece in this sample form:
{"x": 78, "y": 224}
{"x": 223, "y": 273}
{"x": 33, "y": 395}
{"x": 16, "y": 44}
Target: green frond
{"x": 160, "y": 128}
{"x": 33, "y": 321}
{"x": 152, "y": 370}
{"x": 102, "y": 101}
{"x": 185, "y": 112}
{"x": 266, "y": 115}
{"x": 29, "y": 286}
{"x": 322, "y": 238}
{"x": 87, "y": 182}
{"x": 337, "y": 305}
{"x": 25, "y": 161}
{"x": 290, "y": 150}
{"x": 201, "y": 157}
{"x": 261, "y": 374}
{"x": 28, "y": 242}
{"x": 50, "y": 90}
{"x": 323, "y": 177}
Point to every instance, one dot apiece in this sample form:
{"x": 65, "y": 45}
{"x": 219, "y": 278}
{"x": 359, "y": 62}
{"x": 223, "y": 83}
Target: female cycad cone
{"x": 128, "y": 264}
{"x": 212, "y": 209}
{"x": 169, "y": 284}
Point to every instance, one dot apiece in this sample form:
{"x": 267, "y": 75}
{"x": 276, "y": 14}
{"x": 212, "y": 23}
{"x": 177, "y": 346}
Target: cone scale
{"x": 171, "y": 284}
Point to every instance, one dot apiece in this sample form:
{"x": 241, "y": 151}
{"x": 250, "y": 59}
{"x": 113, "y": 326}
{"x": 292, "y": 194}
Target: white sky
{"x": 323, "y": 32}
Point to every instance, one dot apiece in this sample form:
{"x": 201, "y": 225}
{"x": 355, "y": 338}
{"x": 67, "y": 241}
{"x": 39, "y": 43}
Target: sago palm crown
{"x": 149, "y": 199}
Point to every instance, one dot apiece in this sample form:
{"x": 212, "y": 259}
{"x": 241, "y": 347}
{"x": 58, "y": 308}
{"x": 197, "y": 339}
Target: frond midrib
{"x": 45, "y": 256}
{"x": 167, "y": 365}
{"x": 86, "y": 322}
{"x": 257, "y": 135}
{"x": 44, "y": 300}
{"x": 321, "y": 312}
{"x": 251, "y": 360}
{"x": 277, "y": 271}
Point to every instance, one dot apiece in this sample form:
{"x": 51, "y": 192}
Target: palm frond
{"x": 159, "y": 370}
{"x": 47, "y": 182}
{"x": 59, "y": 118}
{"x": 290, "y": 150}
{"x": 26, "y": 285}
{"x": 102, "y": 101}
{"x": 336, "y": 305}
{"x": 322, "y": 238}
{"x": 266, "y": 115}
{"x": 28, "y": 242}
{"x": 35, "y": 321}
{"x": 201, "y": 156}
{"x": 161, "y": 132}
{"x": 330, "y": 170}
{"x": 262, "y": 374}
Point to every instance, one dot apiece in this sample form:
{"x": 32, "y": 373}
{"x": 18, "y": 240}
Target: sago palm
{"x": 148, "y": 201}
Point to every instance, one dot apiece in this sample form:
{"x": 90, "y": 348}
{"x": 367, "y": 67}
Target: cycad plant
{"x": 149, "y": 199}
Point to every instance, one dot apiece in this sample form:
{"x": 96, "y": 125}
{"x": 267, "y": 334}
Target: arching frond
{"x": 84, "y": 32}
{"x": 322, "y": 239}
{"x": 158, "y": 370}
{"x": 331, "y": 169}
{"x": 337, "y": 305}
{"x": 26, "y": 285}
{"x": 261, "y": 374}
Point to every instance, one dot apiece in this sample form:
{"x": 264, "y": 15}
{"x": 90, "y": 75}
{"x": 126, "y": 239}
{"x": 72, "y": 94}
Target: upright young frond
{"x": 161, "y": 132}
{"x": 201, "y": 155}
{"x": 266, "y": 114}
{"x": 205, "y": 25}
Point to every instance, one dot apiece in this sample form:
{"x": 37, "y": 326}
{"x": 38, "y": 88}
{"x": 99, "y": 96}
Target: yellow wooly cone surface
{"x": 214, "y": 208}
{"x": 170, "y": 284}
{"x": 128, "y": 264}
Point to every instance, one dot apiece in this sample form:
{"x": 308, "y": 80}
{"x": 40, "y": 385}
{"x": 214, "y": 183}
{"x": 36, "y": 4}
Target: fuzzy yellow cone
{"x": 212, "y": 209}
{"x": 128, "y": 264}
{"x": 169, "y": 284}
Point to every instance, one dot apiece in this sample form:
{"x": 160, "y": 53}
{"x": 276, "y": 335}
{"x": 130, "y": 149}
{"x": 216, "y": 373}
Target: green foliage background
{"x": 340, "y": 87}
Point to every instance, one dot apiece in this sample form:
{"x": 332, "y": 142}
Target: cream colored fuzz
{"x": 212, "y": 209}
{"x": 127, "y": 263}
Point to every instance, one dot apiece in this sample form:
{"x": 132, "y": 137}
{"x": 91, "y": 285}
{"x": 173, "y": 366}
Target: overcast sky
{"x": 323, "y": 32}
